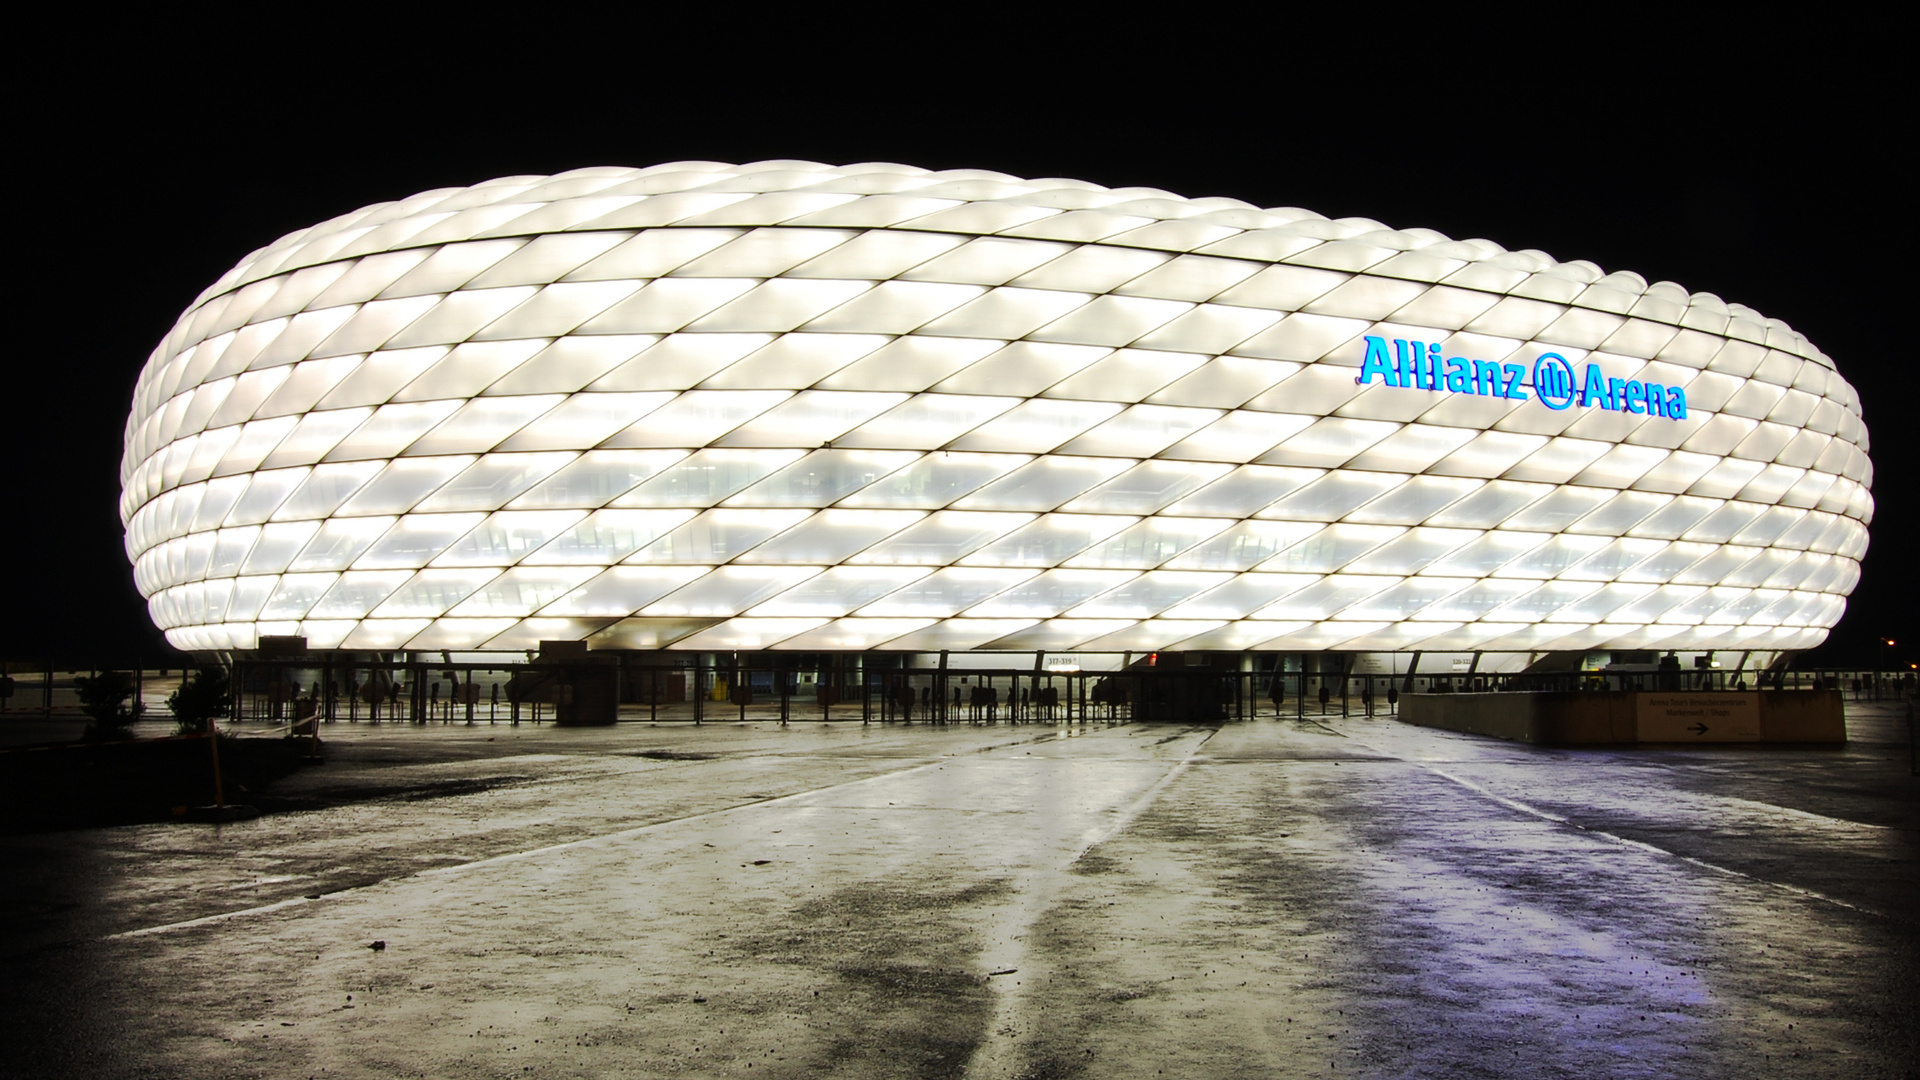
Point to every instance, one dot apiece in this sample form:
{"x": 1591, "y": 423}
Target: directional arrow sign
{"x": 1687, "y": 716}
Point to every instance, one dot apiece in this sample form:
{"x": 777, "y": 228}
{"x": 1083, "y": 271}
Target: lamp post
{"x": 1879, "y": 670}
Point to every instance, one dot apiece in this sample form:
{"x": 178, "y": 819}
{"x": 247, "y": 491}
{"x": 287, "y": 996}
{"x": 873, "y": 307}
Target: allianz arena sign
{"x": 788, "y": 405}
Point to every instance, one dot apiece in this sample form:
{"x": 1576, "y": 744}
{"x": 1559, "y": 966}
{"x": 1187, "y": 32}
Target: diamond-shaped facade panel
{"x": 791, "y": 405}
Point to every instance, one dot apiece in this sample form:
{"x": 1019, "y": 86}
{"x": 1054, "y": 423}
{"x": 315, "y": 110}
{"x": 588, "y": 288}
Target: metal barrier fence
{"x": 418, "y": 691}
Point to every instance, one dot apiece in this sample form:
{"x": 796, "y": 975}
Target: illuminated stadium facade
{"x": 790, "y": 406}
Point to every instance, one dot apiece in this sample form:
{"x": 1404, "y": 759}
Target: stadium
{"x": 786, "y": 407}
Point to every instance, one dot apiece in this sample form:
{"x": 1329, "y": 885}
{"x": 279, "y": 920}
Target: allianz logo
{"x": 1417, "y": 365}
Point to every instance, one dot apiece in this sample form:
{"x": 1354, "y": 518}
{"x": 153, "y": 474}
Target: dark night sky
{"x": 1726, "y": 164}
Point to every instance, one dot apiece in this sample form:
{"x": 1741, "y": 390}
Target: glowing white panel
{"x": 257, "y": 440}
{"x": 958, "y": 634}
{"x": 1049, "y": 594}
{"x": 676, "y": 362}
{"x": 931, "y": 482}
{"x": 763, "y": 253}
{"x": 402, "y": 484}
{"x": 529, "y": 633}
{"x": 491, "y": 481}
{"x": 1554, "y": 556}
{"x": 787, "y": 338}
{"x": 927, "y": 421}
{"x": 1724, "y": 523}
{"x": 468, "y": 369}
{"x": 1142, "y": 430}
{"x": 482, "y": 424}
{"x": 945, "y": 592}
{"x": 794, "y": 361}
{"x": 1332, "y": 496}
{"x": 941, "y": 538}
{"x": 1243, "y": 491}
{"x": 522, "y": 590}
{"x": 778, "y": 305}
{"x": 911, "y": 363}
{"x": 832, "y": 535}
{"x": 810, "y": 417}
{"x": 1052, "y": 539}
{"x": 584, "y": 421}
{"x": 1326, "y": 597}
{"x": 595, "y": 478}
{"x": 1238, "y": 436}
{"x": 249, "y": 593}
{"x": 1412, "y": 551}
{"x": 1302, "y": 337}
{"x": 1331, "y": 548}
{"x": 299, "y": 392}
{"x": 570, "y": 363}
{"x": 1246, "y": 544}
{"x": 1404, "y": 600}
{"x": 1044, "y": 484}
{"x": 896, "y": 307}
{"x": 1147, "y": 487}
{"x": 668, "y": 304}
{"x": 375, "y": 379}
{"x": 1414, "y": 501}
{"x": 841, "y": 590}
{"x": 1059, "y": 634}
{"x": 1558, "y": 510}
{"x": 706, "y": 477}
{"x": 1125, "y": 375}
{"x": 391, "y": 430}
{"x": 1092, "y": 269}
{"x": 325, "y": 488}
{"x": 415, "y": 540}
{"x": 623, "y": 590}
{"x": 1620, "y": 513}
{"x": 1413, "y": 448}
{"x": 718, "y": 536}
{"x": 1148, "y": 595}
{"x": 652, "y": 254}
{"x": 230, "y": 550}
{"x": 987, "y": 261}
{"x": 264, "y": 495}
{"x": 1036, "y": 426}
{"x": 1151, "y": 542}
{"x": 427, "y": 592}
{"x": 356, "y": 593}
{"x": 1024, "y": 368}
{"x": 729, "y": 590}
{"x": 698, "y": 417}
{"x": 294, "y": 594}
{"x": 848, "y": 634}
{"x": 608, "y": 536}
{"x": 278, "y": 543}
{"x": 822, "y": 478}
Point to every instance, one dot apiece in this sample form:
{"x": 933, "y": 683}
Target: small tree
{"x": 104, "y": 698}
{"x": 205, "y": 695}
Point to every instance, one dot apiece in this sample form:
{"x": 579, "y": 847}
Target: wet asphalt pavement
{"x": 1268, "y": 899}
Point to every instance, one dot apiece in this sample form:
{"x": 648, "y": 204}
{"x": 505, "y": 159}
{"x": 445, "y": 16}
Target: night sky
{"x": 1729, "y": 164}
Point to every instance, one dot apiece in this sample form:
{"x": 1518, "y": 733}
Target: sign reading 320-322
{"x": 1417, "y": 365}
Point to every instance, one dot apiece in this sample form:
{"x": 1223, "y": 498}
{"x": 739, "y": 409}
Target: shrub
{"x": 104, "y": 698}
{"x": 205, "y": 695}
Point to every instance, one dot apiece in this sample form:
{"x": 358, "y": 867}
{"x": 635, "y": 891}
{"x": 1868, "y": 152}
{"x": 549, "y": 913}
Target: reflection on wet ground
{"x": 1347, "y": 897}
